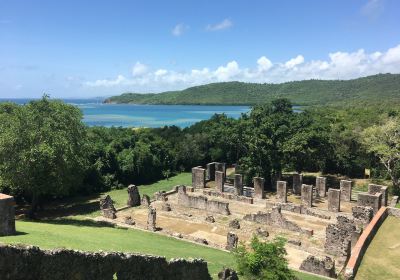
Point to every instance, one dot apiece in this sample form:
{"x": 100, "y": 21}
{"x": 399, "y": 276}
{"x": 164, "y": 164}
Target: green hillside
{"x": 377, "y": 88}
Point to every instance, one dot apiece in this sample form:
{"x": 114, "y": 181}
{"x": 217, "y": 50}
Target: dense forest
{"x": 47, "y": 152}
{"x": 370, "y": 90}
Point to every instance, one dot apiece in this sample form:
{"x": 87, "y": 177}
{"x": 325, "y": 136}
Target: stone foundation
{"x": 229, "y": 196}
{"x": 198, "y": 177}
{"x": 334, "y": 200}
{"x": 259, "y": 187}
{"x": 7, "y": 215}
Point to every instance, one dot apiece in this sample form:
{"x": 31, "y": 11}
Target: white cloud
{"x": 139, "y": 69}
{"x": 225, "y": 24}
{"x": 338, "y": 65}
{"x": 179, "y": 29}
{"x": 373, "y": 9}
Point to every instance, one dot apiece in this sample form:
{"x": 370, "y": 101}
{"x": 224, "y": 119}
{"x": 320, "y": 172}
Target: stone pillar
{"x": 297, "y": 182}
{"x": 281, "y": 191}
{"x": 231, "y": 241}
{"x": 219, "y": 181}
{"x": 372, "y": 200}
{"x": 373, "y": 189}
{"x": 334, "y": 200}
{"x": 7, "y": 215}
{"x": 259, "y": 187}
{"x": 145, "y": 200}
{"x": 151, "y": 219}
{"x": 198, "y": 177}
{"x": 346, "y": 187}
{"x": 107, "y": 207}
{"x": 238, "y": 184}
{"x": 210, "y": 171}
{"x": 219, "y": 166}
{"x": 320, "y": 184}
{"x": 133, "y": 196}
{"x": 306, "y": 195}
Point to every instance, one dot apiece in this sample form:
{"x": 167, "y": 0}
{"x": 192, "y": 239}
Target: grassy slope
{"x": 377, "y": 88}
{"x": 381, "y": 261}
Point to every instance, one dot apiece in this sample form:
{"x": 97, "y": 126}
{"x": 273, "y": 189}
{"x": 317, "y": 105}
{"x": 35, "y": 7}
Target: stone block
{"x": 107, "y": 207}
{"x": 307, "y": 195}
{"x": 238, "y": 184}
{"x": 259, "y": 187}
{"x": 320, "y": 185}
{"x": 219, "y": 181}
{"x": 281, "y": 191}
{"x": 334, "y": 200}
{"x": 7, "y": 215}
{"x": 133, "y": 196}
{"x": 219, "y": 166}
{"x": 373, "y": 189}
{"x": 297, "y": 182}
{"x": 346, "y": 188}
{"x": 372, "y": 200}
{"x": 321, "y": 266}
{"x": 210, "y": 175}
{"x": 198, "y": 177}
{"x": 231, "y": 241}
{"x": 151, "y": 219}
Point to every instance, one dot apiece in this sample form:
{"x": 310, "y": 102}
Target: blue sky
{"x": 100, "y": 48}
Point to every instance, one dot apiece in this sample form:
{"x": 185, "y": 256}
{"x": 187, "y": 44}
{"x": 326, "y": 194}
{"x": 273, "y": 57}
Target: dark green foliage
{"x": 263, "y": 260}
{"x": 382, "y": 88}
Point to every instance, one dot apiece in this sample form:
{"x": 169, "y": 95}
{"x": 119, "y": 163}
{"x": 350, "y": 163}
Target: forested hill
{"x": 377, "y": 88}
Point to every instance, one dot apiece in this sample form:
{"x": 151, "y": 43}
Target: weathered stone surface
{"x": 372, "y": 200}
{"x": 219, "y": 181}
{"x": 129, "y": 221}
{"x": 201, "y": 240}
{"x": 294, "y": 242}
{"x": 322, "y": 266}
{"x": 227, "y": 195}
{"x": 210, "y": 219}
{"x": 281, "y": 191}
{"x": 210, "y": 173}
{"x": 339, "y": 236}
{"x": 231, "y": 241}
{"x": 145, "y": 200}
{"x": 346, "y": 188}
{"x": 297, "y": 182}
{"x": 202, "y": 202}
{"x": 262, "y": 232}
{"x": 234, "y": 224}
{"x": 238, "y": 184}
{"x": 198, "y": 177}
{"x": 394, "y": 201}
{"x": 320, "y": 185}
{"x": 334, "y": 200}
{"x": 362, "y": 215}
{"x": 307, "y": 195}
{"x": 7, "y": 215}
{"x": 151, "y": 219}
{"x": 219, "y": 166}
{"x": 259, "y": 187}
{"x": 161, "y": 196}
{"x": 373, "y": 189}
{"x": 32, "y": 263}
{"x": 166, "y": 207}
{"x": 133, "y": 196}
{"x": 107, "y": 207}
{"x": 227, "y": 274}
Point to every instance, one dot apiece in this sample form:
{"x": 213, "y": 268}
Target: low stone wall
{"x": 339, "y": 236}
{"x": 321, "y": 266}
{"x": 230, "y": 196}
{"x": 362, "y": 244}
{"x": 300, "y": 209}
{"x": 32, "y": 263}
{"x": 202, "y": 202}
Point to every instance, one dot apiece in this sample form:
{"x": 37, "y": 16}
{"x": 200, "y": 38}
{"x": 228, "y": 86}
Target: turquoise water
{"x": 129, "y": 115}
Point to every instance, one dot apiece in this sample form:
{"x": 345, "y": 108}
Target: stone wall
{"x": 320, "y": 185}
{"x": 229, "y": 196}
{"x": 219, "y": 181}
{"x": 346, "y": 188}
{"x": 202, "y": 202}
{"x": 198, "y": 177}
{"x": 339, "y": 235}
{"x": 362, "y": 215}
{"x": 259, "y": 187}
{"x": 7, "y": 215}
{"x": 372, "y": 200}
{"x": 297, "y": 182}
{"x": 307, "y": 195}
{"x": 321, "y": 266}
{"x": 373, "y": 189}
{"x": 32, "y": 263}
{"x": 210, "y": 173}
{"x": 238, "y": 184}
{"x": 334, "y": 200}
{"x": 281, "y": 191}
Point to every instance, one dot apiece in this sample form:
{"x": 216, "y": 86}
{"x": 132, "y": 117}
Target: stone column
{"x": 151, "y": 219}
{"x": 231, "y": 241}
{"x": 297, "y": 182}
{"x": 219, "y": 166}
{"x": 281, "y": 191}
{"x": 238, "y": 184}
{"x": 7, "y": 215}
{"x": 346, "y": 189}
{"x": 219, "y": 181}
{"x": 145, "y": 200}
{"x": 320, "y": 184}
{"x": 198, "y": 177}
{"x": 133, "y": 196}
{"x": 259, "y": 187}
{"x": 306, "y": 195}
{"x": 211, "y": 171}
{"x": 334, "y": 200}
{"x": 373, "y": 189}
{"x": 372, "y": 200}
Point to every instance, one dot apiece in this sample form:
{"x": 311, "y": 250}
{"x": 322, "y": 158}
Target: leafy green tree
{"x": 42, "y": 149}
{"x": 263, "y": 260}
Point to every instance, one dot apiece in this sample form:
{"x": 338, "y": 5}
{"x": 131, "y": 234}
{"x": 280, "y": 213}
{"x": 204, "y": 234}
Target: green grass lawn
{"x": 381, "y": 261}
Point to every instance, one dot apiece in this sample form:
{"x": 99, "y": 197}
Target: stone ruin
{"x": 346, "y": 188}
{"x": 107, "y": 207}
{"x": 238, "y": 184}
{"x": 227, "y": 274}
{"x": 210, "y": 171}
{"x": 362, "y": 215}
{"x": 133, "y": 196}
{"x": 259, "y": 187}
{"x": 307, "y": 195}
{"x": 373, "y": 189}
{"x": 7, "y": 215}
{"x": 394, "y": 201}
{"x": 372, "y": 200}
{"x": 151, "y": 219}
{"x": 234, "y": 224}
{"x": 221, "y": 167}
{"x": 145, "y": 200}
{"x": 231, "y": 241}
{"x": 339, "y": 237}
{"x": 334, "y": 200}
{"x": 202, "y": 202}
{"x": 321, "y": 266}
{"x": 198, "y": 177}
{"x": 281, "y": 191}
{"x": 219, "y": 181}
{"x": 320, "y": 185}
{"x": 297, "y": 182}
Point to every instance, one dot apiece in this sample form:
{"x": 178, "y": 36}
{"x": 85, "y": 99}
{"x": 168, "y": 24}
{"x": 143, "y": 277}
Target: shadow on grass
{"x": 78, "y": 223}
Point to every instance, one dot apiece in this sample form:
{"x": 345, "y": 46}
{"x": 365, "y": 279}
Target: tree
{"x": 264, "y": 260}
{"x": 384, "y": 142}
{"x": 42, "y": 149}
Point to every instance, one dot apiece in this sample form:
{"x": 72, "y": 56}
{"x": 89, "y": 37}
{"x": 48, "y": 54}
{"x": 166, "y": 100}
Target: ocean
{"x": 130, "y": 115}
